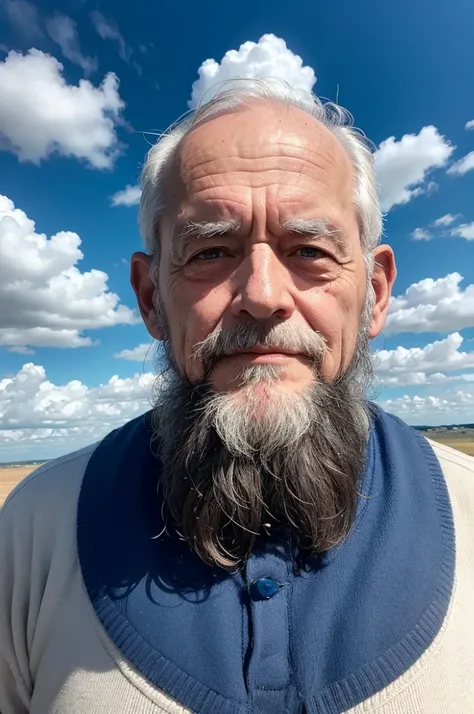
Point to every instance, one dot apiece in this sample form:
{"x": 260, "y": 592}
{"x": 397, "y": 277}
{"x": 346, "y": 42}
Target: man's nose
{"x": 263, "y": 284}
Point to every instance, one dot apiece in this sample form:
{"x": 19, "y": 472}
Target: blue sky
{"x": 73, "y": 138}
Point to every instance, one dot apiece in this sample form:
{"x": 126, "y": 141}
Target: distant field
{"x": 466, "y": 445}
{"x": 10, "y": 476}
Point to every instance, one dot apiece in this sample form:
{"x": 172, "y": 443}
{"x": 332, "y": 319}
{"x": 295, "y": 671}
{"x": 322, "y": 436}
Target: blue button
{"x": 263, "y": 589}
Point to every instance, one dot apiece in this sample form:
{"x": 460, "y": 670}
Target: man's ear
{"x": 383, "y": 278}
{"x": 144, "y": 288}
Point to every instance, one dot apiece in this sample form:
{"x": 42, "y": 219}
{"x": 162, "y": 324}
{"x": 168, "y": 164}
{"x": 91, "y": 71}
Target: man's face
{"x": 260, "y": 299}
{"x": 260, "y": 227}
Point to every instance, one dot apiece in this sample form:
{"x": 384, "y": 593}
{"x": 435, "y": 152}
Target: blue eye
{"x": 209, "y": 254}
{"x": 310, "y": 251}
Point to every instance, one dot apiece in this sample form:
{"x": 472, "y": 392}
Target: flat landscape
{"x": 10, "y": 476}
{"x": 462, "y": 439}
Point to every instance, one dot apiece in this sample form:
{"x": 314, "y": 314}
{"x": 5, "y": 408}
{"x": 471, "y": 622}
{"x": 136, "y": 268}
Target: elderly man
{"x": 265, "y": 540}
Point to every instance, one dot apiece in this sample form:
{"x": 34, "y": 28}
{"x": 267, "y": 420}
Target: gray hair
{"x": 236, "y": 96}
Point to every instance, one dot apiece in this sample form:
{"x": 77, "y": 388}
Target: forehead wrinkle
{"x": 217, "y": 164}
{"x": 224, "y": 165}
{"x": 265, "y": 141}
{"x": 292, "y": 143}
{"x": 277, "y": 181}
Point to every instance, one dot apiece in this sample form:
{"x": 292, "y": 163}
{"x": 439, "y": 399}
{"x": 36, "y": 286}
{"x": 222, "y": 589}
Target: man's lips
{"x": 276, "y": 352}
{"x": 267, "y": 351}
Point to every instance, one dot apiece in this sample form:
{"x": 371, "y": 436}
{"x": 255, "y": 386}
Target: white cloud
{"x": 455, "y": 408}
{"x": 24, "y": 17}
{"x": 421, "y": 234}
{"x": 424, "y": 365}
{"x": 432, "y": 306}
{"x": 108, "y": 30}
{"x": 41, "y": 419}
{"x": 470, "y": 124}
{"x": 41, "y": 115}
{"x": 466, "y": 230}
{"x": 431, "y": 188}
{"x": 129, "y": 196}
{"x": 461, "y": 167}
{"x": 422, "y": 379}
{"x": 45, "y": 300}
{"x": 269, "y": 57}
{"x": 20, "y": 350}
{"x": 417, "y": 379}
{"x": 63, "y": 31}
{"x": 445, "y": 220}
{"x": 140, "y": 353}
{"x": 402, "y": 166}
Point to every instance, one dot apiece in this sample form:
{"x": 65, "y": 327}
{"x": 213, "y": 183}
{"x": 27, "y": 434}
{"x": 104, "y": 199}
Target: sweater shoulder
{"x": 55, "y": 483}
{"x": 42, "y": 508}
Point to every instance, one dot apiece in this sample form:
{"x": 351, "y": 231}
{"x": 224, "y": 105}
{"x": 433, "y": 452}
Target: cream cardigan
{"x": 44, "y": 607}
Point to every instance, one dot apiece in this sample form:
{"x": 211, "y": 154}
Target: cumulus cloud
{"x": 403, "y": 166}
{"x": 76, "y": 121}
{"x": 470, "y": 124}
{"x": 466, "y": 230}
{"x": 417, "y": 379}
{"x": 140, "y": 353}
{"x": 41, "y": 419}
{"x": 454, "y": 408}
{"x": 432, "y": 306}
{"x": 423, "y": 365}
{"x": 442, "y": 222}
{"x": 45, "y": 300}
{"x": 108, "y": 30}
{"x": 63, "y": 31}
{"x": 129, "y": 196}
{"x": 445, "y": 220}
{"x": 269, "y": 57}
{"x": 461, "y": 167}
{"x": 421, "y": 234}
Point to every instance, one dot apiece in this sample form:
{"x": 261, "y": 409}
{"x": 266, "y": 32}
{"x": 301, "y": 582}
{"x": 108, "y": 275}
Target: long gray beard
{"x": 231, "y": 476}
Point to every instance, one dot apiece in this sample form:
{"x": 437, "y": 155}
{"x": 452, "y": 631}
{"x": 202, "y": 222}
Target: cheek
{"x": 335, "y": 313}
{"x": 193, "y": 313}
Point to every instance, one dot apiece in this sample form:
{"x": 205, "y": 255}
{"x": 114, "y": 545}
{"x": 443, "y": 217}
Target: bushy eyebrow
{"x": 309, "y": 228}
{"x": 191, "y": 230}
{"x": 317, "y": 228}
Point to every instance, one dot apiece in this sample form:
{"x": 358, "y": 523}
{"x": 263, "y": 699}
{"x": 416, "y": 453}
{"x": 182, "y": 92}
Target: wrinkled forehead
{"x": 272, "y": 145}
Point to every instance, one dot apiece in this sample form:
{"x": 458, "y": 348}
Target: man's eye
{"x": 209, "y": 254}
{"x": 309, "y": 251}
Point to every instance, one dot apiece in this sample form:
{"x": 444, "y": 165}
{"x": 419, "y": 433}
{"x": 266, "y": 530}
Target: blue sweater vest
{"x": 267, "y": 640}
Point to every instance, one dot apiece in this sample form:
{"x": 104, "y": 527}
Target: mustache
{"x": 283, "y": 336}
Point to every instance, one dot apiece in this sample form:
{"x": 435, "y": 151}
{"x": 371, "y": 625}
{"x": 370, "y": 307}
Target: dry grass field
{"x": 462, "y": 443}
{"x": 10, "y": 476}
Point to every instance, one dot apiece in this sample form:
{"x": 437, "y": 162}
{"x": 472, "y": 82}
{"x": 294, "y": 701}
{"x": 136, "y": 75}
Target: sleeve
{"x": 15, "y": 576}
